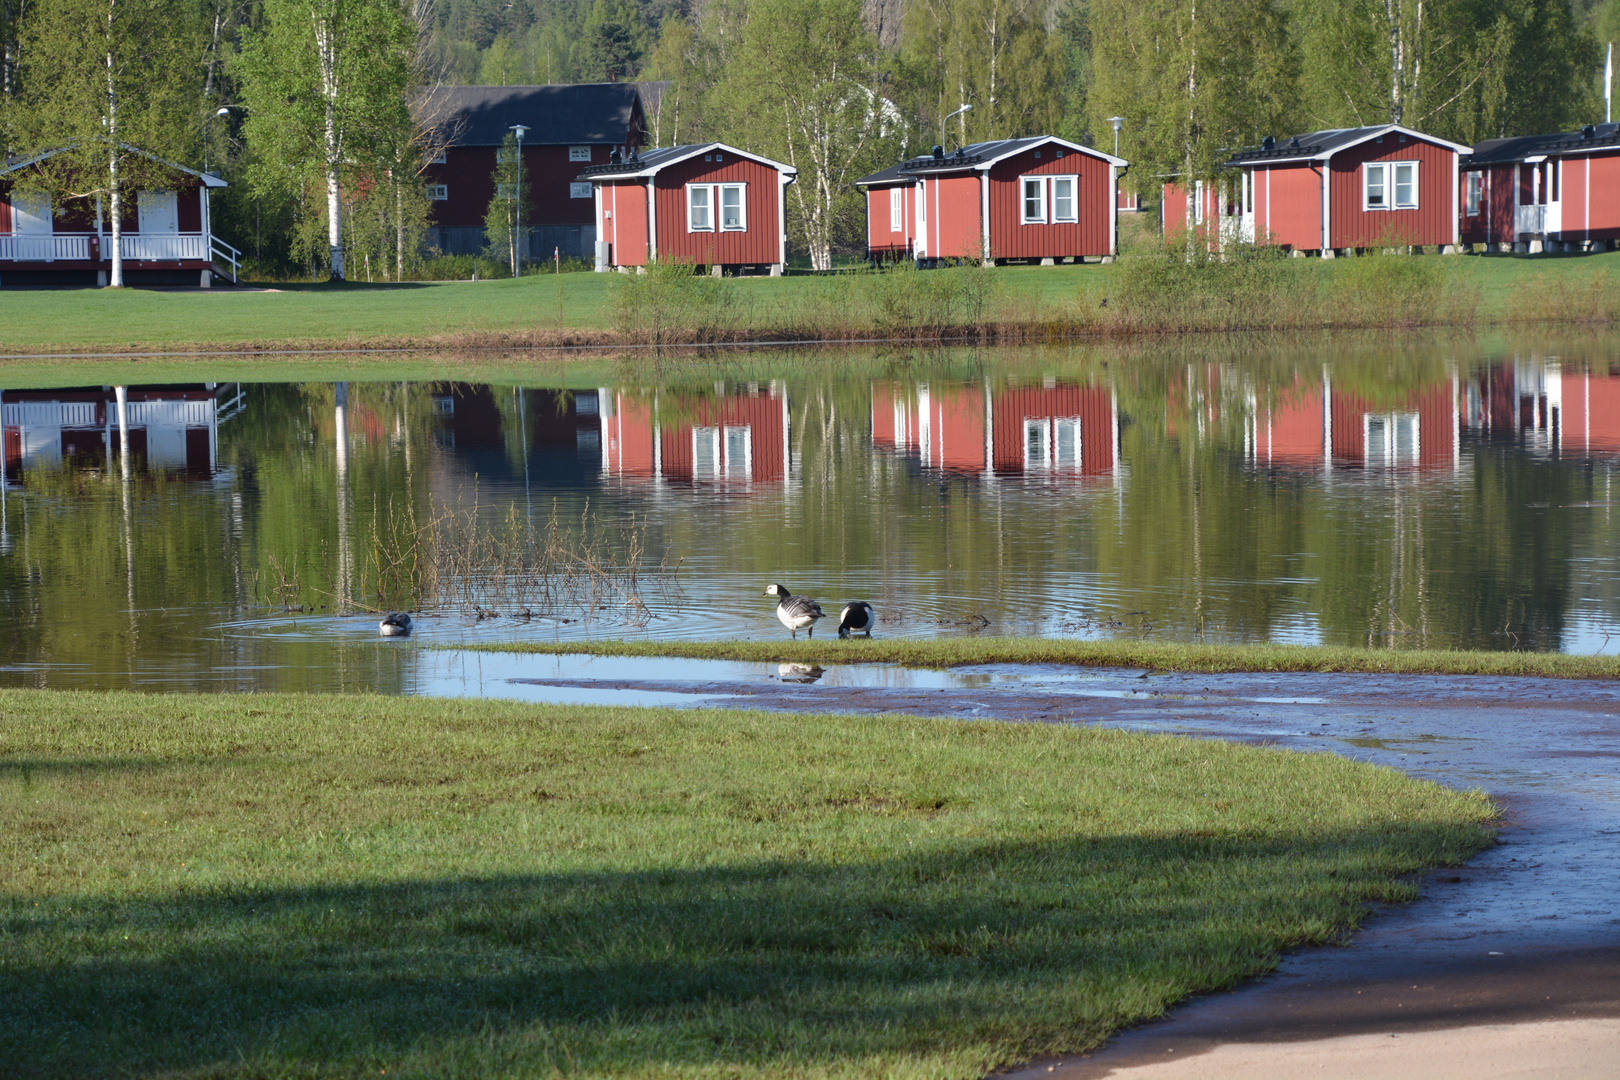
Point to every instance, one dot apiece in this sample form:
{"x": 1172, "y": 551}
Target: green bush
{"x": 671, "y": 302}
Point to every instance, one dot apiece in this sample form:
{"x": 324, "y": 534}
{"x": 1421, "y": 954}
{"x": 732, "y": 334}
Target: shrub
{"x": 670, "y": 302}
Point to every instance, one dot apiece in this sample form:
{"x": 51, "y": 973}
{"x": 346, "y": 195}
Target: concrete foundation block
{"x": 101, "y": 279}
{"x": 1329, "y": 253}
{"x": 776, "y": 269}
{"x": 1537, "y": 247}
{"x": 1048, "y": 262}
{"x": 1106, "y": 259}
{"x": 207, "y": 281}
{"x": 717, "y": 271}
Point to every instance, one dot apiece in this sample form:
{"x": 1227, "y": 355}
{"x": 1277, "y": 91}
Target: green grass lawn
{"x": 539, "y": 309}
{"x": 1153, "y": 655}
{"x": 256, "y": 886}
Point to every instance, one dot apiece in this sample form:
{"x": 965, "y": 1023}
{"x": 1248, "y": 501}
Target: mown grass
{"x": 1153, "y": 655}
{"x": 235, "y": 886}
{"x": 1006, "y": 304}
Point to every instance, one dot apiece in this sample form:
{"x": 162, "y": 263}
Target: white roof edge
{"x": 208, "y": 179}
{"x": 1053, "y": 139}
{"x": 697, "y": 149}
{"x": 1385, "y": 130}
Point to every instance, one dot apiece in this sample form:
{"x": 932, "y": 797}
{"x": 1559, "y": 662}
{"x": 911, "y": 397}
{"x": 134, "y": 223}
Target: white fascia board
{"x": 706, "y": 148}
{"x": 208, "y": 179}
{"x": 1051, "y": 140}
{"x": 1388, "y": 129}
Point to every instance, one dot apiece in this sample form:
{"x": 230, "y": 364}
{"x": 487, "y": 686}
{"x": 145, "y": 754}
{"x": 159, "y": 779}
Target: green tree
{"x": 325, "y": 84}
{"x": 803, "y": 89}
{"x": 995, "y": 55}
{"x": 503, "y": 219}
{"x": 678, "y": 60}
{"x": 95, "y": 78}
{"x": 614, "y": 39}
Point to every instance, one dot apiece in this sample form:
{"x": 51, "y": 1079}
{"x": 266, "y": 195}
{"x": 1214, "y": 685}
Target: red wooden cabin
{"x": 1558, "y": 409}
{"x": 570, "y": 127}
{"x": 1040, "y": 199}
{"x": 738, "y": 437}
{"x": 708, "y": 204}
{"x": 166, "y": 234}
{"x": 1552, "y": 192}
{"x": 1330, "y": 191}
{"x": 1313, "y": 425}
{"x": 1057, "y": 431}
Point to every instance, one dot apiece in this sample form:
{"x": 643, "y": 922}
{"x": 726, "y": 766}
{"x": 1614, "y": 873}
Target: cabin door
{"x": 157, "y": 212}
{"x": 31, "y": 213}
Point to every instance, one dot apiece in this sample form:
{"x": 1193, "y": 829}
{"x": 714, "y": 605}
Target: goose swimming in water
{"x": 394, "y": 624}
{"x": 856, "y": 618}
{"x": 796, "y": 612}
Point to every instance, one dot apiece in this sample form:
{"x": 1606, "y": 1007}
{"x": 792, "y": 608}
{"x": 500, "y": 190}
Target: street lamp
{"x": 958, "y": 112}
{"x": 1118, "y": 122}
{"x": 208, "y": 125}
{"x": 520, "y": 131}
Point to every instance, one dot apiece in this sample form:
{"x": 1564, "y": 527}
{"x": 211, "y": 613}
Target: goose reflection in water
{"x": 800, "y": 673}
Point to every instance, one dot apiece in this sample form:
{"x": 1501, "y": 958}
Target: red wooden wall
{"x": 1092, "y": 234}
{"x": 881, "y": 240}
{"x": 624, "y": 221}
{"x": 1591, "y": 196}
{"x": 1291, "y": 196}
{"x": 1093, "y": 406}
{"x": 761, "y": 243}
{"x": 468, "y": 176}
{"x": 1433, "y": 222}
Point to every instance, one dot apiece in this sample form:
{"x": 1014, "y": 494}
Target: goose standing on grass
{"x": 856, "y": 618}
{"x": 394, "y": 624}
{"x": 796, "y": 612}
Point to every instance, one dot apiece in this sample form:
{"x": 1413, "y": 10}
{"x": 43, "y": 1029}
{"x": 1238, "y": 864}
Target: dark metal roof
{"x": 967, "y": 156}
{"x": 892, "y": 174}
{"x": 1517, "y": 148}
{"x": 572, "y": 114}
{"x": 651, "y": 161}
{"x": 1323, "y": 144}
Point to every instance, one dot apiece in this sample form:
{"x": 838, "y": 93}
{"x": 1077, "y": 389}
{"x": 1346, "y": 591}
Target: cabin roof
{"x": 22, "y": 161}
{"x": 556, "y": 115}
{"x": 981, "y": 156}
{"x": 1322, "y": 145}
{"x": 649, "y": 163}
{"x": 1517, "y": 148}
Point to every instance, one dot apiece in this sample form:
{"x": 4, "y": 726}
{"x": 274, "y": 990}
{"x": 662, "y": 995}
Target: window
{"x": 1037, "y": 444}
{"x": 704, "y": 201}
{"x": 897, "y": 209}
{"x": 579, "y": 153}
{"x": 579, "y": 190}
{"x": 1063, "y": 202}
{"x": 705, "y": 451}
{"x": 1391, "y": 439}
{"x": 437, "y": 192}
{"x": 1389, "y": 185}
{"x": 699, "y": 216}
{"x": 731, "y": 208}
{"x": 1474, "y": 192}
{"x": 1034, "y": 200}
{"x": 437, "y": 159}
{"x": 1198, "y": 203}
{"x": 739, "y": 444}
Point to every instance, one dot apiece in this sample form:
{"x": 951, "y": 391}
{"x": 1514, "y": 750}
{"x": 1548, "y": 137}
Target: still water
{"x": 236, "y": 535}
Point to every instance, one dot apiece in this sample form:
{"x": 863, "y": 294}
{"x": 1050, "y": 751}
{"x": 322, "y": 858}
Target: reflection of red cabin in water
{"x": 1421, "y": 431}
{"x": 1051, "y": 430}
{"x": 1571, "y": 413}
{"x": 170, "y": 429}
{"x": 741, "y": 436}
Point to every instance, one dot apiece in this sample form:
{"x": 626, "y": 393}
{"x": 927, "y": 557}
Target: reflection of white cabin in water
{"x": 170, "y": 429}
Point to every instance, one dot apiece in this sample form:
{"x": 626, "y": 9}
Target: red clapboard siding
{"x": 1093, "y": 407}
{"x": 1591, "y": 197}
{"x": 1291, "y": 433}
{"x": 188, "y": 208}
{"x": 881, "y": 240}
{"x": 1494, "y": 222}
{"x": 468, "y": 176}
{"x": 624, "y": 221}
{"x": 1433, "y": 222}
{"x": 953, "y": 217}
{"x": 1092, "y": 234}
{"x": 761, "y": 243}
{"x": 1292, "y": 197}
{"x": 956, "y": 429}
{"x": 1437, "y": 414}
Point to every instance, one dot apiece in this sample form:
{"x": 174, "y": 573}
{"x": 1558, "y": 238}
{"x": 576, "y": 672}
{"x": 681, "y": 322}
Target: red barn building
{"x": 737, "y": 437}
{"x": 1038, "y": 199}
{"x": 570, "y": 127}
{"x": 1544, "y": 192}
{"x": 705, "y": 203}
{"x": 1330, "y": 191}
{"x": 166, "y": 233}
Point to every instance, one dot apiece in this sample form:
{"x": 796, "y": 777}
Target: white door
{"x": 158, "y": 213}
{"x": 921, "y": 244}
{"x": 31, "y": 213}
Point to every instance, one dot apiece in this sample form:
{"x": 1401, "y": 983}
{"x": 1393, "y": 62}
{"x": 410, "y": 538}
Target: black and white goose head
{"x": 796, "y": 612}
{"x": 857, "y": 617}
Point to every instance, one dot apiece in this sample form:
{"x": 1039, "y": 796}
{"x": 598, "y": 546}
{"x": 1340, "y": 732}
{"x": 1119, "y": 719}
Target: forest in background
{"x": 302, "y": 104}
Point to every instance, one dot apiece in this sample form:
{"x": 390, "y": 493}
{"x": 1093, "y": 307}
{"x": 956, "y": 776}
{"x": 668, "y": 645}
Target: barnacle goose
{"x": 394, "y": 624}
{"x": 856, "y": 618}
{"x": 796, "y": 612}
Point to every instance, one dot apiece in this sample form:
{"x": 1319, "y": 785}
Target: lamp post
{"x": 520, "y": 131}
{"x": 958, "y": 112}
{"x": 208, "y": 126}
{"x": 1118, "y": 122}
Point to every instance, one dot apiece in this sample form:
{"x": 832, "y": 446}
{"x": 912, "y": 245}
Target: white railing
{"x": 44, "y": 248}
{"x": 1530, "y": 219}
{"x": 219, "y": 249}
{"x": 176, "y": 414}
{"x": 50, "y": 414}
{"x": 58, "y": 247}
{"x": 140, "y": 247}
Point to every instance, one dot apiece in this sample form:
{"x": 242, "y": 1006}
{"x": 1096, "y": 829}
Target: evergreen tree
{"x": 614, "y": 40}
{"x": 503, "y": 219}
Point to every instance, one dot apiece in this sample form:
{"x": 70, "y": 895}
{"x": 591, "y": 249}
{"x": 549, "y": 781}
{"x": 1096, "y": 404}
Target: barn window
{"x": 733, "y": 208}
{"x": 1373, "y": 183}
{"x": 1389, "y": 185}
{"x": 1475, "y": 192}
{"x": 437, "y": 192}
{"x": 1034, "y": 200}
{"x": 700, "y": 210}
{"x": 579, "y": 153}
{"x": 1406, "y": 193}
{"x": 1063, "y": 199}
{"x": 578, "y": 190}
{"x": 897, "y": 209}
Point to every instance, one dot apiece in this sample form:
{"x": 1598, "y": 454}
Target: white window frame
{"x": 1473, "y": 193}
{"x": 1074, "y": 200}
{"x": 715, "y": 196}
{"x": 710, "y": 464}
{"x": 691, "y": 208}
{"x": 1061, "y": 426}
{"x": 734, "y": 437}
{"x": 437, "y": 159}
{"x": 438, "y": 192}
{"x": 897, "y": 209}
{"x": 1025, "y": 185}
{"x": 579, "y": 189}
{"x": 1387, "y": 171}
{"x": 579, "y": 153}
{"x": 1037, "y": 457}
{"x": 1198, "y": 202}
{"x": 1382, "y": 436}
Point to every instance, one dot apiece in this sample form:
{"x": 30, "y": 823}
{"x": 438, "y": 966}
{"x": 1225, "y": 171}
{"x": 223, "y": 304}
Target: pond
{"x": 242, "y": 535}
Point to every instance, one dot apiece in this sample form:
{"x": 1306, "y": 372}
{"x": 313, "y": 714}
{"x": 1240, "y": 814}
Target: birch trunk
{"x": 115, "y": 278}
{"x": 326, "y": 48}
{"x": 399, "y": 227}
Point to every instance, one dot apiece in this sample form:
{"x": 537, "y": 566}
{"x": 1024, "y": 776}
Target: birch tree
{"x": 97, "y": 80}
{"x": 995, "y": 55}
{"x": 325, "y": 85}
{"x": 803, "y": 89}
